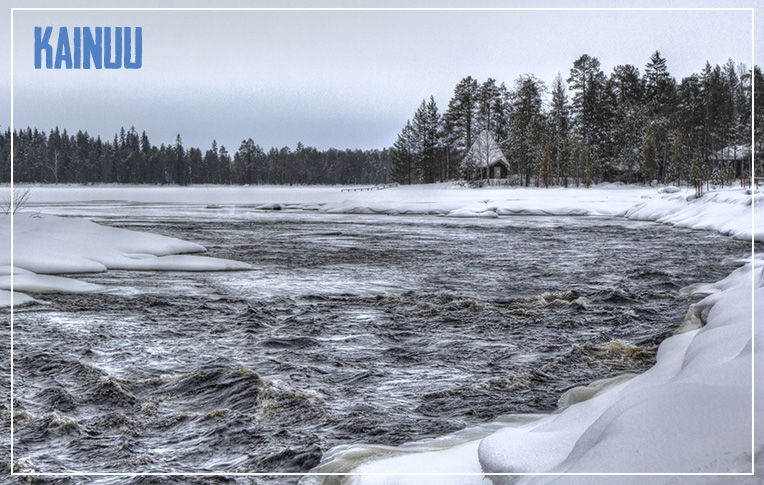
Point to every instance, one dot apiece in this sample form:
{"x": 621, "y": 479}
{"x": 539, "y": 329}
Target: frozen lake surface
{"x": 349, "y": 329}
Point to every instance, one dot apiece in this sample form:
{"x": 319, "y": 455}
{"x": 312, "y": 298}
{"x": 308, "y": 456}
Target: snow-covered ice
{"x": 47, "y": 245}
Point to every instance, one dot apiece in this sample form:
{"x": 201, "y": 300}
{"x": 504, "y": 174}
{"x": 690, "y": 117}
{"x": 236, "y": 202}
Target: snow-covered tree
{"x": 586, "y": 81}
{"x": 427, "y": 134}
{"x": 403, "y": 169}
{"x": 461, "y": 112}
{"x": 649, "y": 157}
{"x": 677, "y": 161}
{"x": 559, "y": 130}
{"x": 527, "y": 126}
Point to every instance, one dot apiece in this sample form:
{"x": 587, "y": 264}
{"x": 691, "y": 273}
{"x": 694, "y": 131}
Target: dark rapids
{"x": 349, "y": 329}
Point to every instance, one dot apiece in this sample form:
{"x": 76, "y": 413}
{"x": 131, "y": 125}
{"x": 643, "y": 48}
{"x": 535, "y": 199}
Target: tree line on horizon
{"x": 627, "y": 127}
{"x": 630, "y": 127}
{"x": 130, "y": 158}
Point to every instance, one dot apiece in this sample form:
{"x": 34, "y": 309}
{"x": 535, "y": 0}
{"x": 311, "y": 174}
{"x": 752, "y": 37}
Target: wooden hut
{"x": 486, "y": 157}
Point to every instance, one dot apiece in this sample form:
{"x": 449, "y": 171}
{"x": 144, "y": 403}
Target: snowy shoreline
{"x": 689, "y": 413}
{"x": 727, "y": 211}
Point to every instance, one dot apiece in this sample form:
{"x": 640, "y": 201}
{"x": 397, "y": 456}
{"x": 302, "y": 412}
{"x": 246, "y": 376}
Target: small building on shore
{"x": 485, "y": 159}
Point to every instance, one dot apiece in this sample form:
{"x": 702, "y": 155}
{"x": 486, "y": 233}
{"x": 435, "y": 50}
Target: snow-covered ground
{"x": 691, "y": 413}
{"x": 728, "y": 211}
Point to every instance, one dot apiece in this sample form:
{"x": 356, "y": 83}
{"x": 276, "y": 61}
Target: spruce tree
{"x": 559, "y": 121}
{"x": 527, "y": 126}
{"x": 426, "y": 132}
{"x": 403, "y": 156}
{"x": 658, "y": 83}
{"x": 180, "y": 163}
{"x": 545, "y": 165}
{"x": 677, "y": 161}
{"x": 462, "y": 110}
{"x": 649, "y": 157}
{"x": 697, "y": 173}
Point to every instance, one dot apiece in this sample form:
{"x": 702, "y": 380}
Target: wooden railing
{"x": 374, "y": 187}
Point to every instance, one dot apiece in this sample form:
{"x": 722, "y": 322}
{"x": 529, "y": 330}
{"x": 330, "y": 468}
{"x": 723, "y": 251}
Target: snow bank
{"x": 727, "y": 211}
{"x": 18, "y": 299}
{"x": 431, "y": 199}
{"x": 34, "y": 283}
{"x": 55, "y": 245}
{"x": 690, "y": 413}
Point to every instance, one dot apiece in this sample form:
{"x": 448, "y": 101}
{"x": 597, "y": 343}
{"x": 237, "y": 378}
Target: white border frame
{"x": 753, "y": 255}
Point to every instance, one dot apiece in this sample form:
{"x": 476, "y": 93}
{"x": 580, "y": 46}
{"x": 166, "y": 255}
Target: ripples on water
{"x": 350, "y": 329}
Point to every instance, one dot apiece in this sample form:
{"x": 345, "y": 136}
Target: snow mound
{"x": 18, "y": 299}
{"x": 51, "y": 245}
{"x": 469, "y": 213}
{"x": 728, "y": 212}
{"x": 34, "y": 283}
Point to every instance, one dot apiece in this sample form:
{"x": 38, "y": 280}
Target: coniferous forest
{"x": 586, "y": 127}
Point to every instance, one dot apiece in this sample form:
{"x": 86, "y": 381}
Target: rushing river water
{"x": 349, "y": 329}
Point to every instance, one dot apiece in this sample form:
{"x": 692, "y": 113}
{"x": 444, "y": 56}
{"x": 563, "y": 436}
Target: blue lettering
{"x": 129, "y": 64}
{"x": 42, "y": 42}
{"x": 89, "y": 46}
{"x": 117, "y": 62}
{"x": 63, "y": 51}
{"x": 92, "y": 48}
{"x": 77, "y": 47}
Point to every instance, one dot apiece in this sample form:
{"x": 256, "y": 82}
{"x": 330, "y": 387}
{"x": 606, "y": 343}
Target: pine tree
{"x": 586, "y": 80}
{"x": 677, "y": 161}
{"x": 578, "y": 157}
{"x": 426, "y": 131}
{"x": 461, "y": 111}
{"x": 180, "y": 163}
{"x": 211, "y": 164}
{"x": 488, "y": 106}
{"x": 697, "y": 173}
{"x": 758, "y": 120}
{"x": 649, "y": 157}
{"x": 225, "y": 165}
{"x": 588, "y": 166}
{"x": 403, "y": 169}
{"x": 545, "y": 165}
{"x": 628, "y": 84}
{"x": 527, "y": 126}
{"x": 559, "y": 120}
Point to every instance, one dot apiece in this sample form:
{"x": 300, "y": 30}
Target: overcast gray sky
{"x": 342, "y": 79}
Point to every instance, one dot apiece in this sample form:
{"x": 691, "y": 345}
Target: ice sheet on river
{"x": 49, "y": 245}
